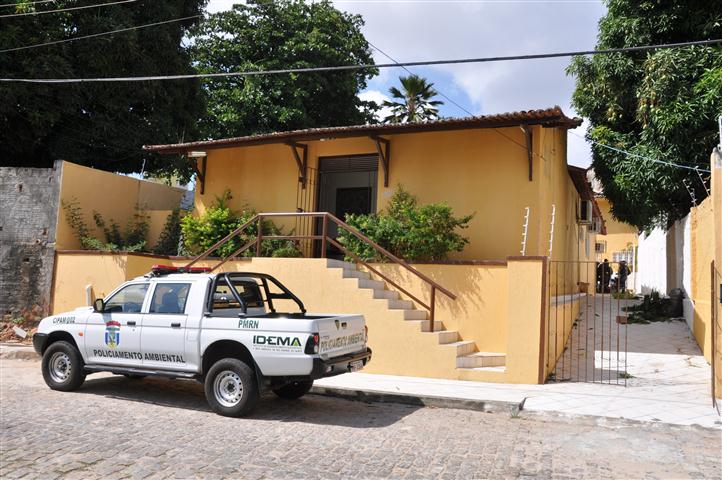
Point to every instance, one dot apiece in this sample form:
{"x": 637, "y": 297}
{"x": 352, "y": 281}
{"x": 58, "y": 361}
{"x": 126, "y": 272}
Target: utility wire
{"x": 42, "y": 12}
{"x": 363, "y": 66}
{"x": 99, "y": 34}
{"x": 654, "y": 160}
{"x": 454, "y": 103}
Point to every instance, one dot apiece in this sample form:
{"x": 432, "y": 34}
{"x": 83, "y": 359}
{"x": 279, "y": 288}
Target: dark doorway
{"x": 346, "y": 185}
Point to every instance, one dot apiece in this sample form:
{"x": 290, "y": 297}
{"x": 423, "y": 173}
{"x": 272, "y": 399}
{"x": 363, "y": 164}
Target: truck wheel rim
{"x": 228, "y": 388}
{"x": 60, "y": 367}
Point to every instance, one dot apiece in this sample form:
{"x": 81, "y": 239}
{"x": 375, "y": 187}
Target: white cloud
{"x": 379, "y": 98}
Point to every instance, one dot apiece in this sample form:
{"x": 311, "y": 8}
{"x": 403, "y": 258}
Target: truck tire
{"x": 294, "y": 390}
{"x": 231, "y": 388}
{"x": 63, "y": 367}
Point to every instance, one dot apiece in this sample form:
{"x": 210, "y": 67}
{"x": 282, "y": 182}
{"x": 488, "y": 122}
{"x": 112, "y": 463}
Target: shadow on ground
{"x": 189, "y": 395}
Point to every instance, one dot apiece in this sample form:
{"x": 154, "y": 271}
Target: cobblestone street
{"x": 114, "y": 427}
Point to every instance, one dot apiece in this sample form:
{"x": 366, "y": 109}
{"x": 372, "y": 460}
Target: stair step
{"x": 425, "y": 324}
{"x": 367, "y": 283}
{"x": 447, "y": 336}
{"x": 462, "y": 347}
{"x": 481, "y": 360}
{"x": 348, "y": 273}
{"x": 501, "y": 369}
{"x": 401, "y": 304}
{"x": 415, "y": 314}
{"x": 383, "y": 293}
{"x": 333, "y": 263}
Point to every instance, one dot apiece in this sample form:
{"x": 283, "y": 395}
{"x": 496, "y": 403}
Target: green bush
{"x": 132, "y": 239}
{"x": 199, "y": 233}
{"x": 408, "y": 230}
{"x": 169, "y": 238}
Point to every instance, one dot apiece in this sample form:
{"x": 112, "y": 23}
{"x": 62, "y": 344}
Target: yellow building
{"x": 495, "y": 166}
{"x": 620, "y": 240}
{"x": 495, "y": 322}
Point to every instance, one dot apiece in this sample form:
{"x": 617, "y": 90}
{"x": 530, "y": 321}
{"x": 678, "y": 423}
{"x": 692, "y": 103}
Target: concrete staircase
{"x": 465, "y": 352}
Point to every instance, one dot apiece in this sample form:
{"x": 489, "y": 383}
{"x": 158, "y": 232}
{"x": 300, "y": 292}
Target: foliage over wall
{"x": 96, "y": 124}
{"x": 408, "y": 230}
{"x": 201, "y": 232}
{"x": 657, "y": 105}
{"x": 265, "y": 35}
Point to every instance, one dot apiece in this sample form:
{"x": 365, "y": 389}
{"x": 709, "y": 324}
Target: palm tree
{"x": 415, "y": 104}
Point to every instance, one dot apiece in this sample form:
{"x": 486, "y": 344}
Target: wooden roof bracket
{"x": 301, "y": 161}
{"x": 200, "y": 173}
{"x": 384, "y": 155}
{"x": 529, "y": 149}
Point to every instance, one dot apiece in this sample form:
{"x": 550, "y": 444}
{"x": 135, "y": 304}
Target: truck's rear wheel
{"x": 294, "y": 390}
{"x": 62, "y": 367}
{"x": 231, "y": 388}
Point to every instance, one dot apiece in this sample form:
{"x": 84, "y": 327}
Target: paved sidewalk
{"x": 669, "y": 383}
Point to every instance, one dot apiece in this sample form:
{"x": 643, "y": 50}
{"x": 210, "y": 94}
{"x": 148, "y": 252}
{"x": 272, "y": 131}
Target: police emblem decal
{"x": 112, "y": 333}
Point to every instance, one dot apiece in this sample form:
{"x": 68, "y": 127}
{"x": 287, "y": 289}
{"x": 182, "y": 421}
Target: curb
{"x": 377, "y": 396}
{"x": 13, "y": 351}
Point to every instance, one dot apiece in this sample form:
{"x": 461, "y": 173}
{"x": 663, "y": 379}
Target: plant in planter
{"x": 199, "y": 233}
{"x": 408, "y": 230}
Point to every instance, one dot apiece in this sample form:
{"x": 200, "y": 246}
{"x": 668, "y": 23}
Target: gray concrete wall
{"x": 29, "y": 200}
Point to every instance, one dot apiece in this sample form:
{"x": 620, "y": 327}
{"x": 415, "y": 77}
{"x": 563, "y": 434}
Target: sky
{"x": 415, "y": 30}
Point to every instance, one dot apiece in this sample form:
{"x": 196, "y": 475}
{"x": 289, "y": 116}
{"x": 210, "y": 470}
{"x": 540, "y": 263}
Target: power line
{"x": 654, "y": 160}
{"x": 99, "y": 34}
{"x": 361, "y": 67}
{"x": 42, "y": 12}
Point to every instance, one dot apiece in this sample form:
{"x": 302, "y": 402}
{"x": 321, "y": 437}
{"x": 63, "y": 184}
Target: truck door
{"x": 164, "y": 327}
{"x": 113, "y": 335}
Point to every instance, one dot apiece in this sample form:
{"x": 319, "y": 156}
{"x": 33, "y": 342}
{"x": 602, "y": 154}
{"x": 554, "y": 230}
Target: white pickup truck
{"x": 221, "y": 329}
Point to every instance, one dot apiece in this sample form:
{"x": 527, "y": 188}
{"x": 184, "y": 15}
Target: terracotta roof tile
{"x": 551, "y": 117}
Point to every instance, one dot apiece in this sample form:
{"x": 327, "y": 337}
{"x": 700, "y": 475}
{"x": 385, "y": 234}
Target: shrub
{"x": 132, "y": 239}
{"x": 408, "y": 230}
{"x": 199, "y": 233}
{"x": 170, "y": 235}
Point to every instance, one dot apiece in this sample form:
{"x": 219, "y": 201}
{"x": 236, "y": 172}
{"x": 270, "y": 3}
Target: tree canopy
{"x": 267, "y": 35}
{"x": 414, "y": 103}
{"x": 97, "y": 124}
{"x": 658, "y": 105}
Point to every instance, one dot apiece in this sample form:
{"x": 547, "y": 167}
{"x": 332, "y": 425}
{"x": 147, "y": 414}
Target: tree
{"x": 658, "y": 105}
{"x": 101, "y": 125}
{"x": 414, "y": 103}
{"x": 267, "y": 35}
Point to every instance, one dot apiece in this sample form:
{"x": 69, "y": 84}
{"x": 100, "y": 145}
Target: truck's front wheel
{"x": 294, "y": 390}
{"x": 62, "y": 367}
{"x": 231, "y": 388}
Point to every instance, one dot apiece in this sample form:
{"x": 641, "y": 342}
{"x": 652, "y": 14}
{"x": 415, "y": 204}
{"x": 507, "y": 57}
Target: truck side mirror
{"x": 98, "y": 305}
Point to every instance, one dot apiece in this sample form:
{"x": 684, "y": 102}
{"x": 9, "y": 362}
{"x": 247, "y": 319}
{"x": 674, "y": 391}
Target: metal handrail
{"x": 325, "y": 238}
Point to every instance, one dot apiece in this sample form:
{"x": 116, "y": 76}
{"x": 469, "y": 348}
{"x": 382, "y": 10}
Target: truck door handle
{"x": 175, "y": 325}
{"x": 131, "y": 323}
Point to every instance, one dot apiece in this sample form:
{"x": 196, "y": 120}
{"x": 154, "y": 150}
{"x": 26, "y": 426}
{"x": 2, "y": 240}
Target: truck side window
{"x": 170, "y": 298}
{"x": 249, "y": 292}
{"x": 127, "y": 300}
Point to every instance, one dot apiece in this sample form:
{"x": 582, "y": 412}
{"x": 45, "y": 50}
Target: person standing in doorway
{"x": 622, "y": 275}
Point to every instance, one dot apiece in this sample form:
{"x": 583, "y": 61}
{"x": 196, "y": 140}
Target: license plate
{"x": 356, "y": 365}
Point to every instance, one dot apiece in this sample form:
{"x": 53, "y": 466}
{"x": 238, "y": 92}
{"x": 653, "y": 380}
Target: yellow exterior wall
{"x": 114, "y": 197}
{"x": 481, "y": 171}
{"x": 702, "y": 236}
{"x": 479, "y": 311}
{"x": 619, "y": 235}
{"x": 485, "y": 313}
{"x": 716, "y": 197}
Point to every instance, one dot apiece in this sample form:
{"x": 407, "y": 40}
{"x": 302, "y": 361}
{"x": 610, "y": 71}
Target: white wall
{"x": 652, "y": 262}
